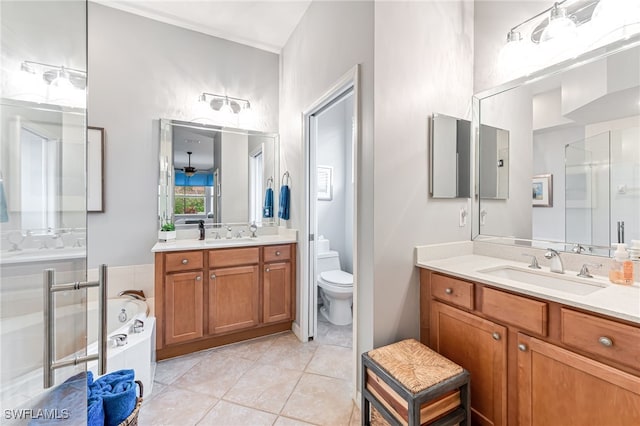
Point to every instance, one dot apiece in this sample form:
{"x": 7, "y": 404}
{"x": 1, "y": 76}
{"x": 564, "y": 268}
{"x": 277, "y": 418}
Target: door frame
{"x": 348, "y": 81}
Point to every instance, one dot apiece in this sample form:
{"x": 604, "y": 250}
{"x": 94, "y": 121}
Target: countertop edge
{"x": 202, "y": 245}
{"x": 538, "y": 294}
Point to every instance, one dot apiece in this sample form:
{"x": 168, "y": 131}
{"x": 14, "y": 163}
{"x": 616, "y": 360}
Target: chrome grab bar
{"x": 50, "y": 287}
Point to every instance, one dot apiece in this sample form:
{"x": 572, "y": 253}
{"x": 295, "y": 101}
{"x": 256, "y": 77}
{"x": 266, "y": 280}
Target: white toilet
{"x": 336, "y": 288}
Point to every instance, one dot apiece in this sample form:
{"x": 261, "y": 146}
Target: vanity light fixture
{"x": 568, "y": 28}
{"x": 57, "y": 76}
{"x": 224, "y": 104}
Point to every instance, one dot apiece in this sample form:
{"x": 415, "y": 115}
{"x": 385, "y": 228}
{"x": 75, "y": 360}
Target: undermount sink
{"x": 225, "y": 241}
{"x": 563, "y": 283}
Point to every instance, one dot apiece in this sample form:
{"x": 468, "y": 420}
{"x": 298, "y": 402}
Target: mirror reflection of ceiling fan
{"x": 189, "y": 170}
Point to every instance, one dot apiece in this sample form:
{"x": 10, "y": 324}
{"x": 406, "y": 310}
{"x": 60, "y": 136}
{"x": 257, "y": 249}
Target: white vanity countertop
{"x": 613, "y": 300}
{"x": 194, "y": 244}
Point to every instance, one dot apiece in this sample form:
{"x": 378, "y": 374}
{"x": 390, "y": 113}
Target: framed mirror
{"x": 573, "y": 141}
{"x": 216, "y": 174}
{"x": 450, "y": 157}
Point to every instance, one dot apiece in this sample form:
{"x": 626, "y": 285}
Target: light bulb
{"x": 614, "y": 19}
{"x": 226, "y": 107}
{"x": 515, "y": 57}
{"x": 61, "y": 90}
{"x": 559, "y": 26}
{"x": 27, "y": 85}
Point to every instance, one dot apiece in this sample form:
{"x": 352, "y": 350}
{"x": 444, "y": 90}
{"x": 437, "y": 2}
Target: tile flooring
{"x": 274, "y": 380}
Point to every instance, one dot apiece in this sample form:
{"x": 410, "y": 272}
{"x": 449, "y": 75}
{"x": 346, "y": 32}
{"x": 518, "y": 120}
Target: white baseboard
{"x": 296, "y": 330}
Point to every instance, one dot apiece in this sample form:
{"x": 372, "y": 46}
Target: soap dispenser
{"x": 621, "y": 271}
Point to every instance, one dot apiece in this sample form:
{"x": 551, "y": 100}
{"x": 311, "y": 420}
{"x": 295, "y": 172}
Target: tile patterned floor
{"x": 275, "y": 380}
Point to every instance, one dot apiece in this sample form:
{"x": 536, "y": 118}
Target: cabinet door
{"x": 234, "y": 298}
{"x": 277, "y": 292}
{"x": 183, "y": 302}
{"x": 557, "y": 386}
{"x": 480, "y": 346}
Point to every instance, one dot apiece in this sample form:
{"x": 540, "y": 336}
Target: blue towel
{"x": 114, "y": 394}
{"x": 267, "y": 210}
{"x": 285, "y": 195}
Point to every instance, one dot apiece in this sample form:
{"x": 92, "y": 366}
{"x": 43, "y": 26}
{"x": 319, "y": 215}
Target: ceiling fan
{"x": 189, "y": 170}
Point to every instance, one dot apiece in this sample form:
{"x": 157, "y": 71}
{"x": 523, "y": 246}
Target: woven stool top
{"x": 414, "y": 365}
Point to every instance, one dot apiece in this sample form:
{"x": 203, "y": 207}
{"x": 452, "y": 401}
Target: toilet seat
{"x": 337, "y": 278}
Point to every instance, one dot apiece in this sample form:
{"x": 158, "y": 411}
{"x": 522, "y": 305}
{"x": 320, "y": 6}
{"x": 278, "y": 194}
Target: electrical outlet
{"x": 463, "y": 216}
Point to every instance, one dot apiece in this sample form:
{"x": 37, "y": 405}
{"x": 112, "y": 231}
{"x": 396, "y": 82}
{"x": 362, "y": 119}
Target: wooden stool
{"x": 409, "y": 384}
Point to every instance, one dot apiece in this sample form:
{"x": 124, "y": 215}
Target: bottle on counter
{"x": 621, "y": 271}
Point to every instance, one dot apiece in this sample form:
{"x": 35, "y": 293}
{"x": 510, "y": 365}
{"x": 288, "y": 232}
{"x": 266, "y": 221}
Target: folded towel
{"x": 119, "y": 403}
{"x": 285, "y": 195}
{"x": 111, "y": 398}
{"x": 267, "y": 210}
{"x": 4, "y": 215}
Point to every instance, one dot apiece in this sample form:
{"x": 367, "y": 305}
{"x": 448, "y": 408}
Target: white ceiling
{"x": 264, "y": 24}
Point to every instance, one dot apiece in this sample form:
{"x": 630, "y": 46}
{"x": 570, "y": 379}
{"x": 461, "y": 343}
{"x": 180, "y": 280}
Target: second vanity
{"x": 537, "y": 355}
{"x": 209, "y": 294}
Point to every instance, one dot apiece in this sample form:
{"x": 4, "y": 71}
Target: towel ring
{"x": 270, "y": 182}
{"x": 288, "y": 176}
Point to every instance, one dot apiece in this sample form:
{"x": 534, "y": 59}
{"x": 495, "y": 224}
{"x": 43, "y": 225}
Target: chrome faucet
{"x": 578, "y": 248}
{"x": 534, "y": 261}
{"x": 556, "y": 262}
{"x": 584, "y": 272}
{"x": 136, "y": 294}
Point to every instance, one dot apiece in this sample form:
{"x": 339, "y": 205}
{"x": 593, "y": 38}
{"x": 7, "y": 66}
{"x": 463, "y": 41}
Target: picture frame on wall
{"x": 325, "y": 183}
{"x": 95, "y": 169}
{"x": 542, "y": 190}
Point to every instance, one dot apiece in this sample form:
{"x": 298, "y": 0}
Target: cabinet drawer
{"x": 234, "y": 257}
{"x": 452, "y": 290}
{"x": 524, "y": 313}
{"x": 183, "y": 261}
{"x": 599, "y": 336}
{"x": 277, "y": 253}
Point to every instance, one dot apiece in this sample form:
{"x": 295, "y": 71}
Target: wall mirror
{"x": 576, "y": 125}
{"x": 217, "y": 174}
{"x": 450, "y": 157}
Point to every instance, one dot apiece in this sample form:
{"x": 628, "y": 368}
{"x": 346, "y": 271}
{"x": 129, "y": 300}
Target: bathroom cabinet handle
{"x": 198, "y": 278}
{"x": 185, "y": 261}
{"x": 605, "y": 341}
{"x": 448, "y": 290}
{"x": 495, "y": 335}
{"x": 213, "y": 276}
{"x": 522, "y": 347}
{"x": 277, "y": 253}
{"x": 267, "y": 270}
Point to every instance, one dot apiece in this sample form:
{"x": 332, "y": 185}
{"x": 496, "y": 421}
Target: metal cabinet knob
{"x": 605, "y": 341}
{"x": 213, "y": 276}
{"x": 198, "y": 278}
{"x": 522, "y": 347}
{"x": 185, "y": 261}
{"x": 277, "y": 253}
{"x": 495, "y": 335}
{"x": 267, "y": 270}
{"x": 448, "y": 290}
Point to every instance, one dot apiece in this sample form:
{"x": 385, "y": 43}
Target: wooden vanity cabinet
{"x": 533, "y": 361}
{"x": 277, "y": 304}
{"x": 207, "y": 298}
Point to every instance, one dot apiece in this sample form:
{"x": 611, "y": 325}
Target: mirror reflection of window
{"x": 193, "y": 195}
{"x": 40, "y": 182}
{"x": 256, "y": 190}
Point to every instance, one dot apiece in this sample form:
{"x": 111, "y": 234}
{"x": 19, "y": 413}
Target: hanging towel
{"x": 267, "y": 210}
{"x": 285, "y": 195}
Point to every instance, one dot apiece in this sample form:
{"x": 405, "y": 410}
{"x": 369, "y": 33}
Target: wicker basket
{"x": 132, "y": 420}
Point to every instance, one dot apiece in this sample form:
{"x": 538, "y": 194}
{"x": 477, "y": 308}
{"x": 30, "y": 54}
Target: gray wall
{"x": 140, "y": 71}
{"x": 330, "y": 40}
{"x": 423, "y": 64}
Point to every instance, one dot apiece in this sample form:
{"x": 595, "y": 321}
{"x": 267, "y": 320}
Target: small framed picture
{"x": 542, "y": 191}
{"x": 325, "y": 183}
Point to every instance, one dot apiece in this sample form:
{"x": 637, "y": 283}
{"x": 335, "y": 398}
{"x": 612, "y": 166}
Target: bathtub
{"x": 22, "y": 372}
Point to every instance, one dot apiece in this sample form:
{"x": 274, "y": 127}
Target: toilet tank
{"x": 328, "y": 261}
